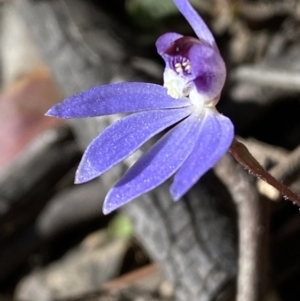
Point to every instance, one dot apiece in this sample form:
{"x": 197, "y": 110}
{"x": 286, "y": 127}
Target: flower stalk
{"x": 240, "y": 152}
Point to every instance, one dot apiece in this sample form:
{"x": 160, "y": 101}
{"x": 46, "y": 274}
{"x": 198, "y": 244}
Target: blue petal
{"x": 155, "y": 166}
{"x": 216, "y": 136}
{"x": 116, "y": 98}
{"x": 208, "y": 69}
{"x": 195, "y": 21}
{"x": 165, "y": 41}
{"x": 124, "y": 137}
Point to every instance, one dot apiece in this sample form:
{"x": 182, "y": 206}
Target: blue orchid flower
{"x": 198, "y": 134}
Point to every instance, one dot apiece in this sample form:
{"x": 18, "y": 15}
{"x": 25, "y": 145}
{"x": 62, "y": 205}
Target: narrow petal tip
{"x": 107, "y": 209}
{"x": 196, "y": 22}
{"x": 52, "y": 112}
{"x": 105, "y": 212}
{"x": 175, "y": 195}
{"x": 78, "y": 180}
{"x": 59, "y": 110}
{"x": 84, "y": 175}
{"x": 113, "y": 202}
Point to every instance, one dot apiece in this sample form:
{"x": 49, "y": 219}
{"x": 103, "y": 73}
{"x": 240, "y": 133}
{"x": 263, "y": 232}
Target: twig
{"x": 286, "y": 169}
{"x": 253, "y": 229}
{"x": 142, "y": 283}
{"x": 270, "y": 77}
{"x": 266, "y": 154}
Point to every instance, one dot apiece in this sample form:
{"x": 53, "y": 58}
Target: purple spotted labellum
{"x": 193, "y": 79}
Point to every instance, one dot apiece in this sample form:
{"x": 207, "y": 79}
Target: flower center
{"x": 183, "y": 66}
{"x": 177, "y": 55}
{"x": 192, "y": 70}
{"x": 177, "y": 75}
{"x": 177, "y": 86}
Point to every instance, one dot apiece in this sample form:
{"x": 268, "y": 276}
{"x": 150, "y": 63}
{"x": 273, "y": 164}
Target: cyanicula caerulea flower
{"x": 198, "y": 134}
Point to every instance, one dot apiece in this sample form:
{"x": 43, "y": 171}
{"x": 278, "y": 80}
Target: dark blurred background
{"x": 55, "y": 244}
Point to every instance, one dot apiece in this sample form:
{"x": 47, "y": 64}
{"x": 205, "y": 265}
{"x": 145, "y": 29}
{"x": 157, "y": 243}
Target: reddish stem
{"x": 240, "y": 152}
